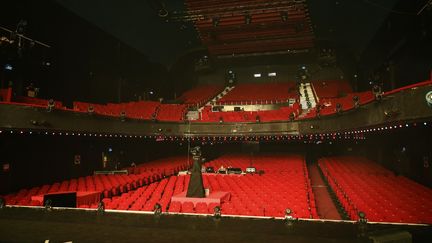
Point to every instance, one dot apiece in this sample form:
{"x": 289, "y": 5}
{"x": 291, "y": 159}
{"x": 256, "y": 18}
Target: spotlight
{"x": 284, "y": 16}
{"x": 157, "y": 209}
{"x": 429, "y": 98}
{"x": 288, "y": 214}
{"x": 289, "y": 219}
{"x": 376, "y": 90}
{"x": 51, "y": 105}
{"x": 90, "y": 110}
{"x": 101, "y": 208}
{"x": 2, "y": 202}
{"x": 362, "y": 217}
{"x": 215, "y": 21}
{"x": 257, "y": 119}
{"x": 123, "y": 116}
{"x": 48, "y": 205}
{"x": 248, "y": 19}
{"x": 217, "y": 212}
{"x": 338, "y": 108}
{"x": 291, "y": 116}
{"x": 356, "y": 101}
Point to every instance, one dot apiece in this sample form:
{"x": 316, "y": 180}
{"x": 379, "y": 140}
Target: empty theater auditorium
{"x": 216, "y": 121}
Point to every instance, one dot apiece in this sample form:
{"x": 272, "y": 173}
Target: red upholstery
{"x": 200, "y": 95}
{"x": 171, "y": 112}
{"x": 260, "y": 93}
{"x": 6, "y": 95}
{"x": 137, "y": 110}
{"x": 110, "y": 185}
{"x": 37, "y": 101}
{"x": 362, "y": 185}
{"x": 331, "y": 88}
{"x": 283, "y": 114}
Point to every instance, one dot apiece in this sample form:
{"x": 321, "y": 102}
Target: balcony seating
{"x": 361, "y": 185}
{"x": 171, "y": 112}
{"x": 331, "y": 88}
{"x": 260, "y": 93}
{"x": 200, "y": 95}
{"x": 282, "y": 114}
{"x": 137, "y": 110}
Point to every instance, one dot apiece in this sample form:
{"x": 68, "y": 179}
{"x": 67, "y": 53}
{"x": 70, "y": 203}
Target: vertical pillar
{"x": 196, "y": 187}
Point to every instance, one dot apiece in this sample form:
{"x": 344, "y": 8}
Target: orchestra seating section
{"x": 328, "y": 94}
{"x": 200, "y": 95}
{"x": 260, "y": 93}
{"x": 362, "y": 185}
{"x": 282, "y": 114}
{"x": 107, "y": 185}
{"x": 284, "y": 184}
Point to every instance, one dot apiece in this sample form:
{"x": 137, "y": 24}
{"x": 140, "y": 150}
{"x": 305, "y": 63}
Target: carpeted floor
{"x": 324, "y": 203}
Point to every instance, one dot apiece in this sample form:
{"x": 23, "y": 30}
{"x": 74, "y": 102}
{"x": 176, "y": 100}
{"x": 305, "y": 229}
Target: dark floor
{"x": 38, "y": 225}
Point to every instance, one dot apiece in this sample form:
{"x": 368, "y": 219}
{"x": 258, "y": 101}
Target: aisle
{"x": 324, "y": 203}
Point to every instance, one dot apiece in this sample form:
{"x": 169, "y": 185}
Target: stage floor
{"x": 38, "y": 225}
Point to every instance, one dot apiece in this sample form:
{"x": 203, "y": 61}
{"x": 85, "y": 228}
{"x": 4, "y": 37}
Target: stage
{"x": 213, "y": 197}
{"x": 20, "y": 224}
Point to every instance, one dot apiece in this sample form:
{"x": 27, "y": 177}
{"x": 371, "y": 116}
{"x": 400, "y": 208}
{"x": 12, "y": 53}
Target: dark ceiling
{"x": 349, "y": 24}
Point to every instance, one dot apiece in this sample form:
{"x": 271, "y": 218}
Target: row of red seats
{"x": 331, "y": 88}
{"x": 138, "y": 110}
{"x": 108, "y": 185}
{"x": 200, "y": 95}
{"x": 328, "y": 105}
{"x": 5, "y": 95}
{"x": 361, "y": 185}
{"x": 171, "y": 112}
{"x": 37, "y": 102}
{"x": 282, "y": 114}
{"x": 285, "y": 184}
{"x": 260, "y": 93}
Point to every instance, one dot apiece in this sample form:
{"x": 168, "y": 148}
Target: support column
{"x": 196, "y": 187}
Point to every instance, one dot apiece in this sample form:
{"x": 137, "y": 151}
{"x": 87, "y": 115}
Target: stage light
{"x": 48, "y": 205}
{"x": 376, "y": 90}
{"x": 215, "y": 21}
{"x": 284, "y": 16}
{"x": 51, "y": 105}
{"x": 338, "y": 108}
{"x": 220, "y": 120}
{"x": 101, "y": 208}
{"x": 356, "y": 101}
{"x": 217, "y": 212}
{"x": 90, "y": 110}
{"x": 257, "y": 119}
{"x": 2, "y": 202}
{"x": 123, "y": 116}
{"x": 291, "y": 116}
{"x": 248, "y": 19}
{"x": 8, "y": 67}
{"x": 429, "y": 98}
{"x": 157, "y": 209}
